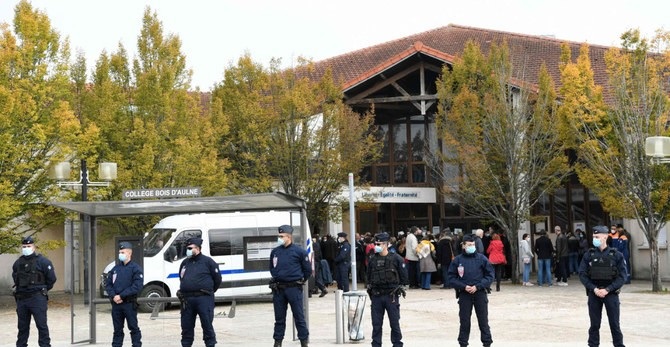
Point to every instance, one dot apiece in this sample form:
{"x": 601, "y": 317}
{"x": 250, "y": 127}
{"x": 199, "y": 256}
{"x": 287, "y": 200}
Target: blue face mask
{"x": 280, "y": 241}
{"x": 27, "y": 251}
{"x": 122, "y": 257}
{"x": 597, "y": 243}
{"x": 189, "y": 253}
{"x": 378, "y": 249}
{"x": 470, "y": 249}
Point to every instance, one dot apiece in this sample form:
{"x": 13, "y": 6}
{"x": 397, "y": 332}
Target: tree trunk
{"x": 656, "y": 285}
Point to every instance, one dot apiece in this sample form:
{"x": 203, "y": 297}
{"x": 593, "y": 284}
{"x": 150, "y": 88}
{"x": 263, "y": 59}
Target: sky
{"x": 215, "y": 33}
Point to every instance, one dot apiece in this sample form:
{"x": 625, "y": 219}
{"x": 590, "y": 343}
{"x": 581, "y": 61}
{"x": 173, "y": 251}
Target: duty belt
{"x": 201, "y": 292}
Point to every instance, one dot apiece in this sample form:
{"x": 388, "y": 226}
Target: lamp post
{"x": 658, "y": 149}
{"x": 107, "y": 173}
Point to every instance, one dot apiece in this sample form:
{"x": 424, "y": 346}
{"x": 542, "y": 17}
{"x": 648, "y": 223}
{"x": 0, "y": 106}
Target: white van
{"x": 239, "y": 242}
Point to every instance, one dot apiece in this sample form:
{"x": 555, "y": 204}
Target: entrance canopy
{"x": 251, "y": 202}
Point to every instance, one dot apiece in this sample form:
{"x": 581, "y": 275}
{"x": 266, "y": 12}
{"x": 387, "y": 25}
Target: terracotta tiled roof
{"x": 527, "y": 52}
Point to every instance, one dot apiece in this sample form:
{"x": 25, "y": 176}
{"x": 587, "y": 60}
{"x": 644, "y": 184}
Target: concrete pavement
{"x": 519, "y": 316}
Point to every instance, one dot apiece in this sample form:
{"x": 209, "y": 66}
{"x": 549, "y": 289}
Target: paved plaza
{"x": 519, "y": 316}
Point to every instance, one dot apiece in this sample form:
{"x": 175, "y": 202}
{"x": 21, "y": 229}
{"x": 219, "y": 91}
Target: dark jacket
{"x": 290, "y": 264}
{"x": 198, "y": 273}
{"x": 125, "y": 280}
{"x": 43, "y": 267}
{"x": 544, "y": 248}
{"x": 477, "y": 271}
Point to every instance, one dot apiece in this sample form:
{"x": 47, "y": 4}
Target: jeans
{"x": 526, "y": 273}
{"x": 544, "y": 271}
{"x": 425, "y": 280}
{"x": 573, "y": 261}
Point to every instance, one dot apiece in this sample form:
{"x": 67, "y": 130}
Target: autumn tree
{"x": 150, "y": 124}
{"x": 610, "y": 140}
{"x": 288, "y": 128}
{"x": 37, "y": 125}
{"x": 502, "y": 150}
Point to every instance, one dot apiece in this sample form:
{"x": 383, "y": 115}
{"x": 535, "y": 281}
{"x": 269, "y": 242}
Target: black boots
{"x": 323, "y": 293}
{"x": 303, "y": 343}
{"x": 277, "y": 343}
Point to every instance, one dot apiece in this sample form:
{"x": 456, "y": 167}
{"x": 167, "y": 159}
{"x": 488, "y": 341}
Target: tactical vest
{"x": 603, "y": 269}
{"x": 383, "y": 273}
{"x": 28, "y": 274}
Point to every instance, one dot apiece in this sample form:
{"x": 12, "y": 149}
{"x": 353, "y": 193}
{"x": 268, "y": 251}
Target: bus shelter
{"x": 91, "y": 211}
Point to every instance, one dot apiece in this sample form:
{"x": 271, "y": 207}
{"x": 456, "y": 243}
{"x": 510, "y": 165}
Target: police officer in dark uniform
{"x": 199, "y": 278}
{"x": 33, "y": 277}
{"x": 386, "y": 276}
{"x": 290, "y": 269}
{"x": 471, "y": 275}
{"x": 123, "y": 284}
{"x": 343, "y": 262}
{"x": 603, "y": 272}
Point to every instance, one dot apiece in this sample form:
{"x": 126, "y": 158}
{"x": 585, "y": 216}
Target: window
{"x": 178, "y": 248}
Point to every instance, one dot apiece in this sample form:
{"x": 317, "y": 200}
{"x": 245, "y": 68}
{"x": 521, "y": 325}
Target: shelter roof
{"x": 249, "y": 202}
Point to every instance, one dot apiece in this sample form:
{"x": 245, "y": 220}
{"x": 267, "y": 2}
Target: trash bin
{"x": 353, "y": 307}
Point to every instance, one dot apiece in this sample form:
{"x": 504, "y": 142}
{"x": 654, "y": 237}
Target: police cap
{"x": 285, "y": 229}
{"x": 382, "y": 237}
{"x": 468, "y": 238}
{"x": 28, "y": 240}
{"x": 194, "y": 241}
{"x": 125, "y": 245}
{"x": 342, "y": 235}
{"x": 600, "y": 229}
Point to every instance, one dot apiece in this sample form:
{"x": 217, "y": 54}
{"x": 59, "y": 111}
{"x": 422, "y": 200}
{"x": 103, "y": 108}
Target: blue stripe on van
{"x": 224, "y": 272}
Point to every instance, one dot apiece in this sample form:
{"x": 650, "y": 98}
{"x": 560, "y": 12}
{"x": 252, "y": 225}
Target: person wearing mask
{"x": 386, "y": 274}
{"x": 544, "y": 250}
{"x": 621, "y": 242}
{"x": 471, "y": 275}
{"x": 199, "y": 278}
{"x": 497, "y": 258}
{"x": 603, "y": 273}
{"x": 290, "y": 268}
{"x": 343, "y": 262}
{"x": 412, "y": 257}
{"x": 124, "y": 283}
{"x": 33, "y": 276}
{"x": 526, "y": 254}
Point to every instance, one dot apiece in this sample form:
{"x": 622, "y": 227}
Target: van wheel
{"x": 152, "y": 291}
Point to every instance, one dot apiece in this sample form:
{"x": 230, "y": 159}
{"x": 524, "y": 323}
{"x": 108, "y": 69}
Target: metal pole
{"x": 91, "y": 270}
{"x": 339, "y": 318}
{"x": 352, "y": 232}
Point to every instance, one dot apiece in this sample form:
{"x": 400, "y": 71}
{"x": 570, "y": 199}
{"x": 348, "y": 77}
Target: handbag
{"x": 526, "y": 260}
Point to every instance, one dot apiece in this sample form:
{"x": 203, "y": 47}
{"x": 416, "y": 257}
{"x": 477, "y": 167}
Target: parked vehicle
{"x": 239, "y": 242}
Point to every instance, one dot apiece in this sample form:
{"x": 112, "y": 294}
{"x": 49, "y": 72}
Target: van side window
{"x": 179, "y": 245}
{"x": 229, "y": 241}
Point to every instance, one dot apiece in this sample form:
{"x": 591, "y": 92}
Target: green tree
{"x": 288, "y": 128}
{"x": 610, "y": 140}
{"x": 150, "y": 124}
{"x": 502, "y": 150}
{"x": 37, "y": 125}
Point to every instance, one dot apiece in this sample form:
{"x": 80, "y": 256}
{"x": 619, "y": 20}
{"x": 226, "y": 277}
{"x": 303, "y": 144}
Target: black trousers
{"x": 35, "y": 306}
{"x": 612, "y": 305}
{"x": 480, "y": 301}
{"x": 391, "y": 305}
{"x": 125, "y": 312}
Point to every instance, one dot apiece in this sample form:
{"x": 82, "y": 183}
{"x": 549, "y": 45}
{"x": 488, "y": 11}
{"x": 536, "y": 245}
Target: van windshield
{"x": 156, "y": 240}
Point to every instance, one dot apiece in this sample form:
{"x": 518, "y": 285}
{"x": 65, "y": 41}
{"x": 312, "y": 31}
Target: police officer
{"x": 290, "y": 269}
{"x": 123, "y": 284}
{"x": 603, "y": 272}
{"x": 343, "y": 262}
{"x": 199, "y": 278}
{"x": 471, "y": 275}
{"x": 386, "y": 274}
{"x": 33, "y": 277}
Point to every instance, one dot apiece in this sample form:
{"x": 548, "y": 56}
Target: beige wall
{"x": 641, "y": 256}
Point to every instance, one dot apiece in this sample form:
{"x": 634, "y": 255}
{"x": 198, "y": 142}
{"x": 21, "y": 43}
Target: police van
{"x": 239, "y": 242}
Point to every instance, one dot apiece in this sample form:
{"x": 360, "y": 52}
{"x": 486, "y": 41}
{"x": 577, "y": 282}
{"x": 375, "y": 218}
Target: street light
{"x": 61, "y": 171}
{"x": 658, "y": 149}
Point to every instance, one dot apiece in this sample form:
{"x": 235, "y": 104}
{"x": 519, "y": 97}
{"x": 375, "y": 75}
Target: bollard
{"x": 339, "y": 318}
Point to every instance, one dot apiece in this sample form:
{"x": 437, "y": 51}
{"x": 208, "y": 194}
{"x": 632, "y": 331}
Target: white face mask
{"x": 27, "y": 251}
{"x": 122, "y": 257}
{"x": 280, "y": 241}
{"x": 189, "y": 253}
